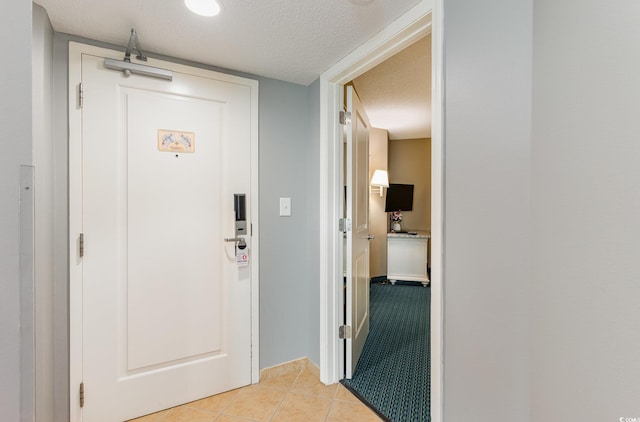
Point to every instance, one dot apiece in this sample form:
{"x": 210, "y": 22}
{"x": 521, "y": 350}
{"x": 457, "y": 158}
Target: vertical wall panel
{"x": 487, "y": 237}
{"x": 16, "y": 144}
{"x": 586, "y": 203}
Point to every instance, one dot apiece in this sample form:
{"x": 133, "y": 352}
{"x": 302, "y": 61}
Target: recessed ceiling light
{"x": 204, "y": 7}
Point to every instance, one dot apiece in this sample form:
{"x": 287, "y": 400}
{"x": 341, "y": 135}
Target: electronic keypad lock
{"x": 240, "y": 208}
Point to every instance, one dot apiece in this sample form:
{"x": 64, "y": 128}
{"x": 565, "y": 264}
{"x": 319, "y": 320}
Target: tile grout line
{"x": 230, "y": 403}
{"x": 287, "y": 392}
{"x": 275, "y": 412}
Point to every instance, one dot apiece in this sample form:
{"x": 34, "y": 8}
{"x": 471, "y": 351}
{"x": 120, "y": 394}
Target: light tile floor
{"x": 296, "y": 396}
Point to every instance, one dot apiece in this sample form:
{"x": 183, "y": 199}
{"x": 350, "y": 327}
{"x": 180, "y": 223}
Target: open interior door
{"x": 357, "y": 241}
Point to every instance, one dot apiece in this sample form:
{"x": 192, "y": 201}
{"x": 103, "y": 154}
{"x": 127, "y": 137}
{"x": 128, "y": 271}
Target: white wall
{"x": 15, "y": 120}
{"x": 579, "y": 305}
{"x": 486, "y": 211}
{"x": 586, "y": 201}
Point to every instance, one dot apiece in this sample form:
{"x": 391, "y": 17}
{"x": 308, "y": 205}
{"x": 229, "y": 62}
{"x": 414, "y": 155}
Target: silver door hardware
{"x": 129, "y": 68}
{"x": 239, "y": 241}
{"x": 344, "y": 332}
{"x": 344, "y": 225}
{"x": 345, "y": 117}
{"x": 81, "y": 245}
{"x": 240, "y": 209}
{"x": 370, "y": 237}
{"x": 82, "y": 394}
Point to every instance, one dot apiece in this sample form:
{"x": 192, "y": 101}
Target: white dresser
{"x": 408, "y": 257}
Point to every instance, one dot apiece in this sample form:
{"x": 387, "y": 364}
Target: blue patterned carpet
{"x": 393, "y": 371}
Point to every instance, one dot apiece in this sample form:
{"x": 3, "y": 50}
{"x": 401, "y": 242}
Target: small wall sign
{"x": 176, "y": 141}
{"x": 242, "y": 257}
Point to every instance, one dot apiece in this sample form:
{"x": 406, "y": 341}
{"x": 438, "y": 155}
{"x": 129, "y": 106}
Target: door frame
{"x": 75, "y": 208}
{"x": 419, "y": 21}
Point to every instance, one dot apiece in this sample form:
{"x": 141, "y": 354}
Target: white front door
{"x": 166, "y": 309}
{"x": 357, "y": 250}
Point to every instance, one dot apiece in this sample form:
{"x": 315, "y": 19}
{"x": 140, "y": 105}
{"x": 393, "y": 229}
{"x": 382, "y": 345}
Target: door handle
{"x": 369, "y": 237}
{"x": 239, "y": 241}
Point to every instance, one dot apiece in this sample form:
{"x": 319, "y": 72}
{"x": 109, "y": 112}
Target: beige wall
{"x": 378, "y": 160}
{"x": 407, "y": 161}
{"x": 410, "y": 163}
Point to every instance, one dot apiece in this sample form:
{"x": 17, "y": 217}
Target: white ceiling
{"x": 396, "y": 94}
{"x": 290, "y": 40}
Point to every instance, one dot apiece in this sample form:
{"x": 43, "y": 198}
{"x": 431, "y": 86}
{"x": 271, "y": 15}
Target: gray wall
{"x": 586, "y": 202}
{"x": 541, "y": 310}
{"x": 42, "y": 49}
{"x": 15, "y": 120}
{"x": 61, "y": 230}
{"x": 487, "y": 237}
{"x": 60, "y": 116}
{"x": 286, "y": 285}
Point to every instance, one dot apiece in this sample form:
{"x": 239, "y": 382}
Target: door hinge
{"x": 80, "y": 95}
{"x": 344, "y": 332}
{"x": 81, "y": 244}
{"x": 345, "y": 117}
{"x": 82, "y": 394}
{"x": 344, "y": 225}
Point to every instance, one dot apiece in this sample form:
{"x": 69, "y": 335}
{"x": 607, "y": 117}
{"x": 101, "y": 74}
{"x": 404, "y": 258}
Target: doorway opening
{"x": 392, "y": 371}
{"x": 423, "y": 19}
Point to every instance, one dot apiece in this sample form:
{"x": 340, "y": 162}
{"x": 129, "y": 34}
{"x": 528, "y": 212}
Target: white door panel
{"x": 357, "y": 164}
{"x": 361, "y": 295}
{"x": 166, "y": 311}
{"x": 173, "y": 233}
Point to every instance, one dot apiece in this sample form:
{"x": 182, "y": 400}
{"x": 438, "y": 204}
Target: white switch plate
{"x": 285, "y": 207}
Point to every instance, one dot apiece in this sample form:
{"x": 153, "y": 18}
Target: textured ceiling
{"x": 290, "y": 40}
{"x": 396, "y": 94}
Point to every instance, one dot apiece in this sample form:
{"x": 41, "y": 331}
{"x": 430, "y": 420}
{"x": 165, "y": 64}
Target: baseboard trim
{"x": 379, "y": 279}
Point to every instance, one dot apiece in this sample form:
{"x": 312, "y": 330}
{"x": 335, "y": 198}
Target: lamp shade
{"x": 380, "y": 178}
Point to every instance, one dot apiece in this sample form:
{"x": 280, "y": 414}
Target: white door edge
{"x": 76, "y": 50}
{"x": 417, "y": 22}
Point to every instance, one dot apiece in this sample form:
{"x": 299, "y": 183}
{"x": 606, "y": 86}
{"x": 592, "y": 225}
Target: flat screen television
{"x": 399, "y": 198}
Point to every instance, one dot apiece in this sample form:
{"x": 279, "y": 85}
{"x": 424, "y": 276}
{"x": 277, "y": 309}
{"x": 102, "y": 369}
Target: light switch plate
{"x": 285, "y": 207}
